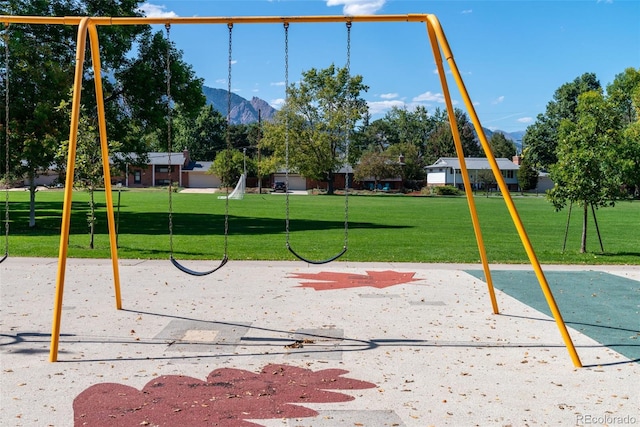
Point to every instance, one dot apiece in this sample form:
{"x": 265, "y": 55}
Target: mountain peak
{"x": 243, "y": 111}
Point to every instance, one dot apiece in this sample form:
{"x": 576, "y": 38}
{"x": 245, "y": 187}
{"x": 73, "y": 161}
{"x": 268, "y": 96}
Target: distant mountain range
{"x": 245, "y": 111}
{"x": 516, "y": 136}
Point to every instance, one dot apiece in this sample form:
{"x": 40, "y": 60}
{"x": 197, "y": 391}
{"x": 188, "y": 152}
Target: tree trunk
{"x": 32, "y": 199}
{"x": 585, "y": 216}
{"x": 330, "y": 189}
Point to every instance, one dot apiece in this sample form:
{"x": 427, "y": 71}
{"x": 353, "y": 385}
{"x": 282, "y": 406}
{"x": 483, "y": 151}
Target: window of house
{"x": 163, "y": 168}
{"x": 508, "y": 173}
{"x": 163, "y": 182}
{"x": 137, "y": 177}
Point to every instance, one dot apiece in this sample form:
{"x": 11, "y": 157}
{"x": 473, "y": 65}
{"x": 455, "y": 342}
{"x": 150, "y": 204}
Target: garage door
{"x": 296, "y": 182}
{"x": 203, "y": 180}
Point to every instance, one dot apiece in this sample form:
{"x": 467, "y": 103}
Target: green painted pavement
{"x": 603, "y": 306}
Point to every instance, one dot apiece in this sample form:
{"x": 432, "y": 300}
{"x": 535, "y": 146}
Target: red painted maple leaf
{"x": 228, "y": 398}
{"x": 376, "y": 279}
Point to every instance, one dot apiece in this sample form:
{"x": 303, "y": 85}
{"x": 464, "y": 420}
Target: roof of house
{"x": 163, "y": 158}
{"x": 194, "y": 166}
{"x": 473, "y": 163}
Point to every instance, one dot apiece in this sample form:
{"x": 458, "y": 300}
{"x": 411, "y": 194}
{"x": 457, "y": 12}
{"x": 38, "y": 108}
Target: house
{"x": 161, "y": 170}
{"x": 545, "y": 183}
{"x": 195, "y": 175}
{"x": 446, "y": 171}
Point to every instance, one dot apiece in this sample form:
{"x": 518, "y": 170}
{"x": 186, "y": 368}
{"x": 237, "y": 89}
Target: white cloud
{"x": 498, "y": 100}
{"x": 428, "y": 96}
{"x": 277, "y": 103}
{"x": 358, "y": 7}
{"x": 156, "y": 11}
{"x": 525, "y": 120}
{"x": 277, "y": 84}
{"x": 467, "y": 11}
{"x": 379, "y": 107}
{"x": 389, "y": 95}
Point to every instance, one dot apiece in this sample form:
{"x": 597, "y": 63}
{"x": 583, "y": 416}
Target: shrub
{"x": 447, "y": 190}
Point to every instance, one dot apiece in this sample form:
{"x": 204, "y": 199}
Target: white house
{"x": 446, "y": 171}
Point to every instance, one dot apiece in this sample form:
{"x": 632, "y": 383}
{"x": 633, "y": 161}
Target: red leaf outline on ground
{"x": 228, "y": 398}
{"x": 332, "y": 280}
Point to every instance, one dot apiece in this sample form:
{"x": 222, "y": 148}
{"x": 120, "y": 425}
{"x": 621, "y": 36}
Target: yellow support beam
{"x": 517, "y": 221}
{"x": 68, "y": 189}
{"x": 440, "y": 47}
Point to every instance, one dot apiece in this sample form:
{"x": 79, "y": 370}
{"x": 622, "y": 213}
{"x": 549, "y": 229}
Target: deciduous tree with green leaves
{"x": 203, "y": 136}
{"x": 589, "y": 169}
{"x": 541, "y": 138}
{"x": 42, "y": 63}
{"x": 229, "y": 166}
{"x": 318, "y": 120}
{"x": 377, "y": 165}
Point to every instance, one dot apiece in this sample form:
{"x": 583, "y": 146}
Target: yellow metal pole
{"x": 141, "y": 20}
{"x": 68, "y": 189}
{"x": 95, "y": 57}
{"x": 463, "y": 167}
{"x": 517, "y": 221}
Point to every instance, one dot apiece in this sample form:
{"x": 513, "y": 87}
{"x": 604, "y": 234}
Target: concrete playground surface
{"x": 291, "y": 344}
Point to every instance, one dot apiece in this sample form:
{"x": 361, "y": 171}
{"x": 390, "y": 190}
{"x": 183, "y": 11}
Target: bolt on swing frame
{"x": 439, "y": 45}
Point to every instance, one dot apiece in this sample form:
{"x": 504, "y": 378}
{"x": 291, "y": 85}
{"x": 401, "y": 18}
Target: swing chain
{"x": 169, "y": 125}
{"x": 6, "y": 136}
{"x": 228, "y": 137}
{"x": 286, "y": 128}
{"x": 347, "y": 139}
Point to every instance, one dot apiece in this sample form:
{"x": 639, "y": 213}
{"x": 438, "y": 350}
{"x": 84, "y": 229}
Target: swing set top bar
{"x": 138, "y": 20}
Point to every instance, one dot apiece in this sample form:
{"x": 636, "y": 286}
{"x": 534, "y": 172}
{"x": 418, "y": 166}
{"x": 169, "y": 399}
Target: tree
{"x": 408, "y": 156}
{"x": 376, "y": 165}
{"x": 541, "y": 138}
{"x": 203, "y": 136}
{"x": 487, "y": 180}
{"x": 88, "y": 170}
{"x": 229, "y": 166}
{"x": 42, "y": 64}
{"x": 527, "y": 175}
{"x": 589, "y": 169}
{"x": 621, "y": 92}
{"x": 501, "y": 146}
{"x": 624, "y": 93}
{"x": 440, "y": 142}
{"x": 42, "y": 61}
{"x": 319, "y": 116}
{"x": 142, "y": 89}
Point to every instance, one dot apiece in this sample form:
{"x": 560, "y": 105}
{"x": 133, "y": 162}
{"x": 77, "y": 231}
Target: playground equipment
{"x": 225, "y": 258}
{"x": 346, "y": 156}
{"x": 439, "y": 45}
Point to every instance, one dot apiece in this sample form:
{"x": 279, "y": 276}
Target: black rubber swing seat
{"x": 6, "y": 254}
{"x": 326, "y": 261}
{"x": 197, "y": 273}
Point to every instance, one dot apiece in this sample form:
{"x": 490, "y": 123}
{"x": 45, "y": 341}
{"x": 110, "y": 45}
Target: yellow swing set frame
{"x": 440, "y": 47}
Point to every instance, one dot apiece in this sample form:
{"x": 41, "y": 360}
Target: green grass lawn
{"x": 381, "y": 228}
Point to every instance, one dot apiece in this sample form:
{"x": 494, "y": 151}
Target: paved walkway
{"x": 288, "y": 344}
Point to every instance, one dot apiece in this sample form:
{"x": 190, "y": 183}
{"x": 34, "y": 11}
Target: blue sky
{"x": 512, "y": 54}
